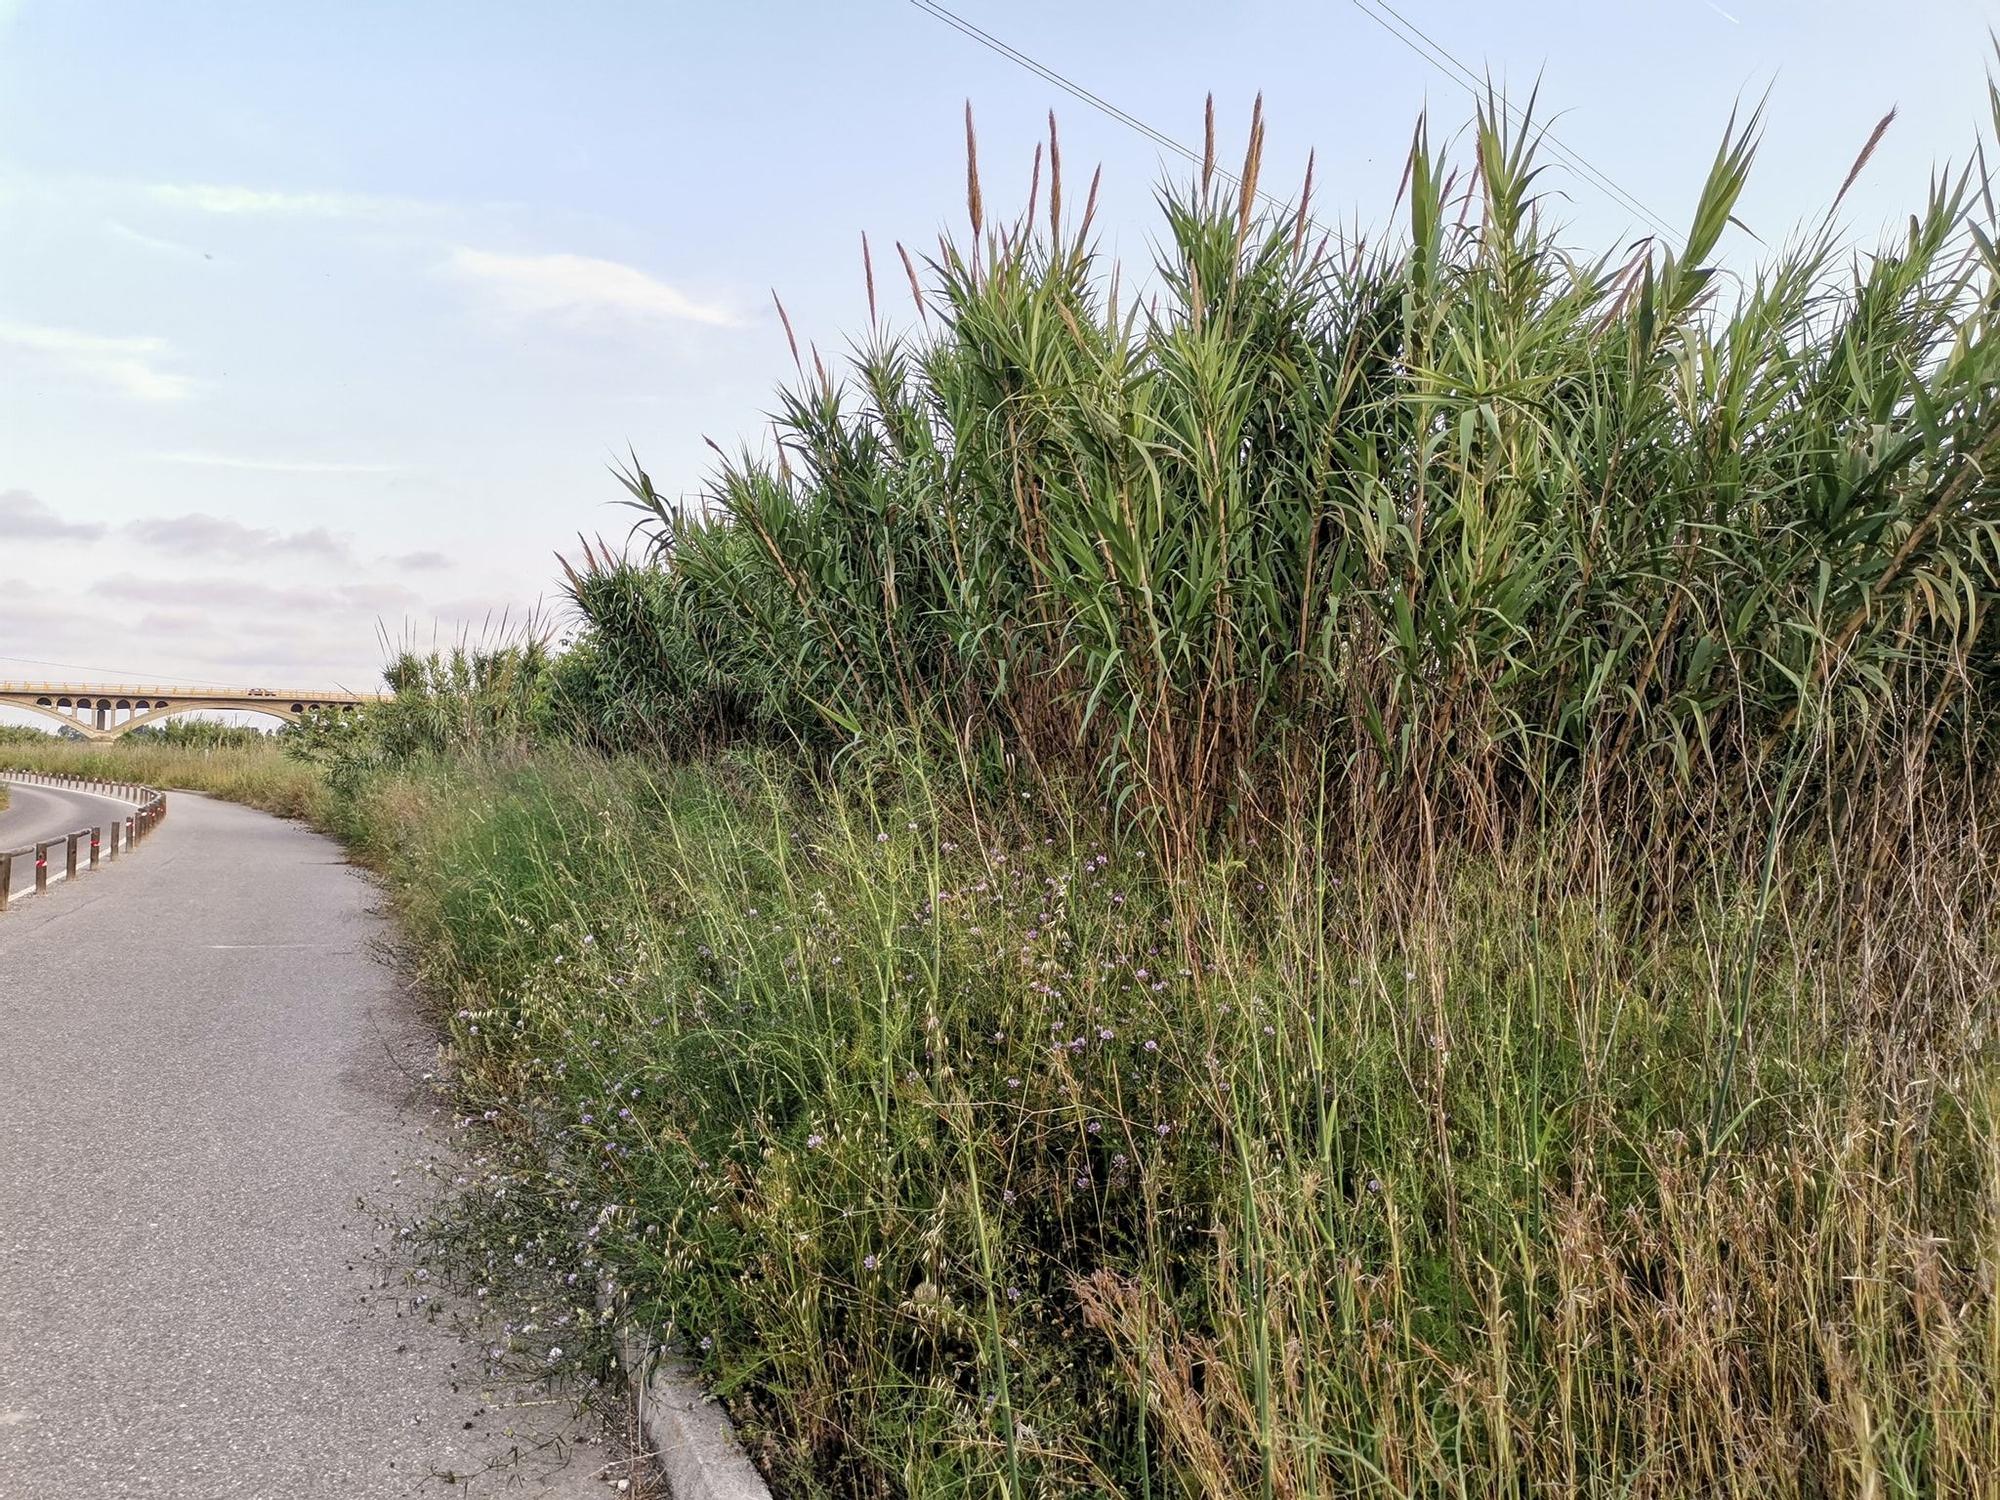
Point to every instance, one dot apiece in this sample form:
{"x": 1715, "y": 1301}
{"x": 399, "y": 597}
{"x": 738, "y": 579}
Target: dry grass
{"x": 260, "y": 776}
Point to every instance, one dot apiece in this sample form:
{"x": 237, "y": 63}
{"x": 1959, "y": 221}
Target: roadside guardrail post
{"x": 125, "y": 832}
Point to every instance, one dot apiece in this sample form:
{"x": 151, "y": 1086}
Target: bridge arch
{"x": 171, "y": 710}
{"x": 141, "y": 713}
{"x": 95, "y": 713}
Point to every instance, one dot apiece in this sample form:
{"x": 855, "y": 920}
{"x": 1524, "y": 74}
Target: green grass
{"x": 970, "y": 1156}
{"x": 13, "y": 734}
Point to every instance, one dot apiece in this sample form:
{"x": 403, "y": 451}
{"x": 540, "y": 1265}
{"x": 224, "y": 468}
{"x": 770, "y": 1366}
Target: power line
{"x": 1438, "y": 57}
{"x": 1068, "y": 86}
{"x": 1102, "y": 105}
{"x": 1434, "y": 52}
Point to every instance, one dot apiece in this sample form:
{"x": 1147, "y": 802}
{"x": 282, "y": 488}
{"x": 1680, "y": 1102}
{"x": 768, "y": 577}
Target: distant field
{"x": 256, "y": 775}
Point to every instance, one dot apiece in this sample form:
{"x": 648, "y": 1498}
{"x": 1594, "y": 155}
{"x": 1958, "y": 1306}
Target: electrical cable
{"x": 1441, "y": 58}
{"x": 1437, "y": 56}
{"x": 1102, "y": 105}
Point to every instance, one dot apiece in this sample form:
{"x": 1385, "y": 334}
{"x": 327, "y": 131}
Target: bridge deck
{"x": 93, "y": 709}
{"x": 132, "y": 690}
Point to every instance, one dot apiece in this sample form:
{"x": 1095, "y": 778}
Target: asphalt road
{"x": 208, "y": 1111}
{"x": 43, "y": 812}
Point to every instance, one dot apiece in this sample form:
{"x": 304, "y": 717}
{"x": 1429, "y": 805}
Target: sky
{"x": 321, "y": 325}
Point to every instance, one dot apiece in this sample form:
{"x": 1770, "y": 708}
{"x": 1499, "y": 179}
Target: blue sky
{"x": 316, "y": 319}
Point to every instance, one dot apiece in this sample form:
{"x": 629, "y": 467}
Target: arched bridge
{"x": 98, "y": 711}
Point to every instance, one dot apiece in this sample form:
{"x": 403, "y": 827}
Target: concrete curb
{"x": 693, "y": 1442}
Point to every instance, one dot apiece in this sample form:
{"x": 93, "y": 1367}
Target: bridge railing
{"x": 150, "y": 808}
{"x": 96, "y": 690}
{"x": 115, "y": 690}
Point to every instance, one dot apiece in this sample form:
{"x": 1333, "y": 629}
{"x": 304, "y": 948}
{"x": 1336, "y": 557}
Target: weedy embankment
{"x": 969, "y": 1155}
{"x": 1372, "y": 874}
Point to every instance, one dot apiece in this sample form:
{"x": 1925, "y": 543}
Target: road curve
{"x": 34, "y": 813}
{"x": 205, "y": 1104}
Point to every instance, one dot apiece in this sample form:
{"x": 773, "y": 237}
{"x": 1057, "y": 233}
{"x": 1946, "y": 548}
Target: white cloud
{"x": 127, "y": 365}
{"x": 580, "y": 285}
{"x": 153, "y": 242}
{"x": 201, "y": 535}
{"x": 273, "y": 465}
{"x": 224, "y": 198}
{"x": 299, "y": 605}
{"x": 423, "y": 561}
{"x": 27, "y": 517}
